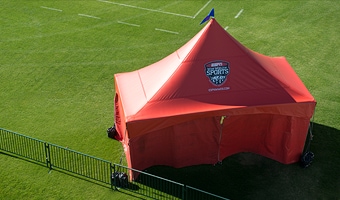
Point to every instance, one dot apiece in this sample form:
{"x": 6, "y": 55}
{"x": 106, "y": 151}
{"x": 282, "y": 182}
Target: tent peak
{"x": 211, "y": 14}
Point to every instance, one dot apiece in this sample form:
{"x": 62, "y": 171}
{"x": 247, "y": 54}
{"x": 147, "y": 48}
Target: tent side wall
{"x": 206, "y": 141}
{"x": 119, "y": 116}
{"x": 189, "y": 143}
{"x": 278, "y": 137}
{"x": 120, "y": 124}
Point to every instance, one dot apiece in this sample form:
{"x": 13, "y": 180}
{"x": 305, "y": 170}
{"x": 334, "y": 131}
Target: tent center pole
{"x": 219, "y": 142}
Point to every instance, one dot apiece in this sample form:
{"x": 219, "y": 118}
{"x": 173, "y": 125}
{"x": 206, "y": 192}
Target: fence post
{"x": 111, "y": 181}
{"x": 48, "y": 156}
{"x": 113, "y": 178}
{"x": 184, "y": 192}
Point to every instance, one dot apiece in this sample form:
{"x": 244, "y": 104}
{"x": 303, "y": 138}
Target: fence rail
{"x": 115, "y": 175}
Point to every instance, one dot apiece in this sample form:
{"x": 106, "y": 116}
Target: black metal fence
{"x": 114, "y": 175}
{"x": 79, "y": 163}
{"x": 56, "y": 157}
{"x": 23, "y": 146}
{"x": 157, "y": 187}
{"x": 148, "y": 184}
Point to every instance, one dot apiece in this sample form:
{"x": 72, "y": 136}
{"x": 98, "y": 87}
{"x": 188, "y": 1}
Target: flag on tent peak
{"x": 211, "y": 14}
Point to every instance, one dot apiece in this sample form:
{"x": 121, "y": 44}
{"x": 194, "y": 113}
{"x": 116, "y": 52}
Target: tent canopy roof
{"x": 213, "y": 94}
{"x": 211, "y": 72}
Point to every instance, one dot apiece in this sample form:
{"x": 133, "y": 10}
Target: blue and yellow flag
{"x": 211, "y": 14}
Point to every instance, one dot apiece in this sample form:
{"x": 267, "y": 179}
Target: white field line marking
{"x": 48, "y": 8}
{"x": 145, "y": 13}
{"x": 120, "y": 22}
{"x": 167, "y": 31}
{"x": 226, "y": 27}
{"x": 90, "y": 16}
{"x": 239, "y": 13}
{"x": 198, "y": 12}
{"x": 148, "y": 9}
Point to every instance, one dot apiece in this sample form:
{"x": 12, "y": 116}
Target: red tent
{"x": 210, "y": 99}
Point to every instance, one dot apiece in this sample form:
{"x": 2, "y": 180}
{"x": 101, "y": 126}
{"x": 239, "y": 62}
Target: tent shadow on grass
{"x": 249, "y": 176}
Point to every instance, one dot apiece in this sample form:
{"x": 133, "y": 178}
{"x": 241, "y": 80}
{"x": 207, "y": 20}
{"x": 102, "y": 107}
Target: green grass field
{"x": 57, "y": 64}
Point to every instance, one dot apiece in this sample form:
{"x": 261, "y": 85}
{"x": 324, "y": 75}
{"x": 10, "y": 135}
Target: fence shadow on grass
{"x": 21, "y": 158}
{"x": 251, "y": 176}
